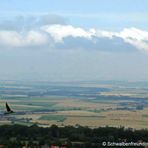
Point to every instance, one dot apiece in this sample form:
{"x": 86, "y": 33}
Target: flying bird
{"x": 8, "y": 109}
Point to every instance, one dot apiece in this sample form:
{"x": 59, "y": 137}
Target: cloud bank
{"x": 52, "y": 32}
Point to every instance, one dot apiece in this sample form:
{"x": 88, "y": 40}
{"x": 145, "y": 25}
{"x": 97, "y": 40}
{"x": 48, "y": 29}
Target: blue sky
{"x": 83, "y": 6}
{"x": 74, "y": 40}
{"x": 108, "y": 14}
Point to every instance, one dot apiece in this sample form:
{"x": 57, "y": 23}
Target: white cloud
{"x": 58, "y": 32}
{"x": 67, "y": 36}
{"x": 14, "y": 39}
{"x": 136, "y": 37}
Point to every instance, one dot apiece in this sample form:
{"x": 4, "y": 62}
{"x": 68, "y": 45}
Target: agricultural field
{"x": 88, "y": 104}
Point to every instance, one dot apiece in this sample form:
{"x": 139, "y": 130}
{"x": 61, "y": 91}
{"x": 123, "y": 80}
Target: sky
{"x": 79, "y": 40}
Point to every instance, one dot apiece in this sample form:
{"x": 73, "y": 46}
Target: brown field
{"x": 77, "y": 111}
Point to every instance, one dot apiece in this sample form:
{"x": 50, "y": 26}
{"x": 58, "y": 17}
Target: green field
{"x": 53, "y": 117}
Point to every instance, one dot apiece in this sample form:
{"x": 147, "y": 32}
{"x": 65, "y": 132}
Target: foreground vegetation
{"x": 18, "y": 136}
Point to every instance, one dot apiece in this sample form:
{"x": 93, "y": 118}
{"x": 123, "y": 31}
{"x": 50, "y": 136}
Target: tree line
{"x": 19, "y": 135}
